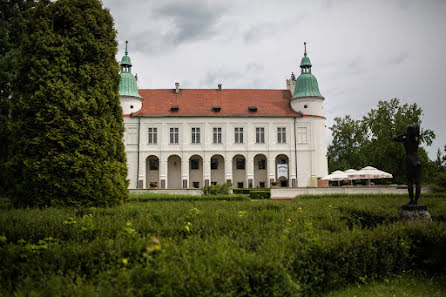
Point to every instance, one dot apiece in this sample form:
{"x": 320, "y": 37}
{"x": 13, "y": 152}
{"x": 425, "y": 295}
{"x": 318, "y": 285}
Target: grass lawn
{"x": 404, "y": 285}
{"x": 304, "y": 247}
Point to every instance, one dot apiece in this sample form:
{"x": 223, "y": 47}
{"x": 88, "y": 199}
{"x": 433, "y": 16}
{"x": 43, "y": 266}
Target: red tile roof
{"x": 199, "y": 103}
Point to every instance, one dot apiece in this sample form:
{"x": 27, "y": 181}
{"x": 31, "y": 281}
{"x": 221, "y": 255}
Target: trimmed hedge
{"x": 144, "y": 197}
{"x": 196, "y": 248}
{"x": 260, "y": 194}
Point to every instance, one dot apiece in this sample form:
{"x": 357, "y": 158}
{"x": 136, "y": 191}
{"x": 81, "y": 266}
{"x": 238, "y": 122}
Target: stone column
{"x": 228, "y": 169}
{"x": 163, "y": 173}
{"x": 207, "y": 170}
{"x": 250, "y": 171}
{"x": 271, "y": 170}
{"x": 185, "y": 172}
{"x": 292, "y": 179}
{"x": 142, "y": 172}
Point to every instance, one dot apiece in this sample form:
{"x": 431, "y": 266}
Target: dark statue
{"x": 411, "y": 140}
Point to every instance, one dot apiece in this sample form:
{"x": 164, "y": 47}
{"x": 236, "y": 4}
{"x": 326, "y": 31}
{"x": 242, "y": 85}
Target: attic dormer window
{"x": 252, "y": 108}
{"x": 174, "y": 108}
{"x": 216, "y": 108}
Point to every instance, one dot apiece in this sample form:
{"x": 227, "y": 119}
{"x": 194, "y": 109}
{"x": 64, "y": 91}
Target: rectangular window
{"x": 194, "y": 164}
{"x": 153, "y": 164}
{"x": 262, "y": 164}
{"x": 238, "y": 135}
{"x": 240, "y": 185}
{"x": 195, "y": 135}
{"x": 173, "y": 135}
{"x": 240, "y": 163}
{"x": 214, "y": 163}
{"x": 153, "y": 135}
{"x": 260, "y": 135}
{"x": 301, "y": 134}
{"x": 262, "y": 184}
{"x": 217, "y": 135}
{"x": 131, "y": 136}
{"x": 281, "y": 135}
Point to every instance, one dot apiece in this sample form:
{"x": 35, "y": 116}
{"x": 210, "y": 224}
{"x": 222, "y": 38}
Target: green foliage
{"x": 219, "y": 248}
{"x": 144, "y": 197}
{"x": 66, "y": 124}
{"x": 222, "y": 189}
{"x": 260, "y": 194}
{"x": 12, "y": 24}
{"x": 408, "y": 284}
{"x": 360, "y": 143}
{"x": 241, "y": 190}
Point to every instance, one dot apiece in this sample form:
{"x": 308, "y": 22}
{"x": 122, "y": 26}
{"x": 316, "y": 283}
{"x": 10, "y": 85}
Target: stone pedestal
{"x": 414, "y": 213}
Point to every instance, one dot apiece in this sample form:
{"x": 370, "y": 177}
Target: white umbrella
{"x": 352, "y": 174}
{"x": 338, "y": 175}
{"x": 370, "y": 172}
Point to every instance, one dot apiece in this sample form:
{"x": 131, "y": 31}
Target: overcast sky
{"x": 361, "y": 51}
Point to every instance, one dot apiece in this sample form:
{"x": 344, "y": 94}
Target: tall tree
{"x": 358, "y": 143}
{"x": 345, "y": 150}
{"x": 12, "y": 24}
{"x": 66, "y": 119}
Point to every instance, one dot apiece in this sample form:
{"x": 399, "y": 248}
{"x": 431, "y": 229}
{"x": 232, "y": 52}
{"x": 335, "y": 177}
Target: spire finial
{"x": 305, "y": 45}
{"x": 126, "y": 47}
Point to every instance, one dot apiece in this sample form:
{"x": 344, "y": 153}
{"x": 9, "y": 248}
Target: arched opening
{"x": 152, "y": 172}
{"x": 260, "y": 171}
{"x": 174, "y": 172}
{"x": 239, "y": 171}
{"x": 217, "y": 169}
{"x": 195, "y": 172}
{"x": 282, "y": 169}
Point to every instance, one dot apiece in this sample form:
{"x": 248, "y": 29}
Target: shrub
{"x": 219, "y": 248}
{"x": 260, "y": 194}
{"x": 66, "y": 119}
{"x": 222, "y": 189}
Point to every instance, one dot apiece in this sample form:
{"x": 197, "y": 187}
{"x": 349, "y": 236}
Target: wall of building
{"x": 130, "y": 104}
{"x": 308, "y": 151}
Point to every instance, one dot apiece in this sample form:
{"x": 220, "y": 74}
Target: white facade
{"x": 283, "y": 143}
{"x": 304, "y": 151}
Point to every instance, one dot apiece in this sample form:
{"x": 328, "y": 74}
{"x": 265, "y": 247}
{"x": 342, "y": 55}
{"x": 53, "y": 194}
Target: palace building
{"x": 189, "y": 138}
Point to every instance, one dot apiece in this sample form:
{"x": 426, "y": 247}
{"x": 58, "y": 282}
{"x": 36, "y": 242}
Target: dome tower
{"x": 131, "y": 100}
{"x": 306, "y": 97}
{"x": 308, "y": 100}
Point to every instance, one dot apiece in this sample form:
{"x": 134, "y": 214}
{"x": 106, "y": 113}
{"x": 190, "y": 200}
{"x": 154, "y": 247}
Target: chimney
{"x": 219, "y": 87}
{"x": 177, "y": 87}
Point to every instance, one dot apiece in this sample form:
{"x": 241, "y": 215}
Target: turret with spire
{"x": 131, "y": 100}
{"x": 306, "y": 83}
{"x": 128, "y": 85}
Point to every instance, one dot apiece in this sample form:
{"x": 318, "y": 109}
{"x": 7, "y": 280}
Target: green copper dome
{"x": 128, "y": 86}
{"x": 306, "y": 83}
{"x": 126, "y": 60}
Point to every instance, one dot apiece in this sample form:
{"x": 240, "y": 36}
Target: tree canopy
{"x": 66, "y": 118}
{"x": 12, "y": 25}
{"x": 359, "y": 143}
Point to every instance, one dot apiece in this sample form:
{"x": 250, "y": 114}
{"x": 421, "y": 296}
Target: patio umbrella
{"x": 338, "y": 175}
{"x": 352, "y": 174}
{"x": 370, "y": 172}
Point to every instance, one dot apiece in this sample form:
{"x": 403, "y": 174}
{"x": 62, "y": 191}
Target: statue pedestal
{"x": 414, "y": 213}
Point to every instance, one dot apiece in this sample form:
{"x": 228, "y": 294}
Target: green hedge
{"x": 144, "y": 197}
{"x": 196, "y": 248}
{"x": 260, "y": 194}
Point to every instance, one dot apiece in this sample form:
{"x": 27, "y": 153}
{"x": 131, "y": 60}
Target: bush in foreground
{"x": 218, "y": 248}
{"x": 66, "y": 119}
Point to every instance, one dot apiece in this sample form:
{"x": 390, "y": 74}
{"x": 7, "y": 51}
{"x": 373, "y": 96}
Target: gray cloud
{"x": 190, "y": 20}
{"x": 399, "y": 58}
